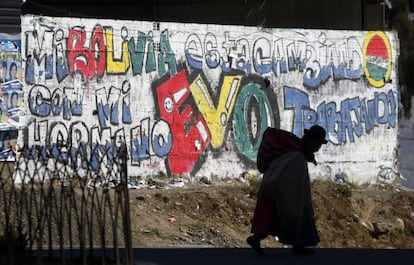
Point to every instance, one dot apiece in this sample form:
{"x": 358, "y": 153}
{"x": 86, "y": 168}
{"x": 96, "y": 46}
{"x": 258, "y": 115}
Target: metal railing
{"x": 49, "y": 211}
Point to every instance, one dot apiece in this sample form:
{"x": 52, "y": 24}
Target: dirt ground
{"x": 219, "y": 214}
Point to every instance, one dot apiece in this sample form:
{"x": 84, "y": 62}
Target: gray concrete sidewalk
{"x": 274, "y": 256}
{"x": 246, "y": 256}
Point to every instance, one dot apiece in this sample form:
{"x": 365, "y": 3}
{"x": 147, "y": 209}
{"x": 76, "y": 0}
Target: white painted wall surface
{"x": 191, "y": 100}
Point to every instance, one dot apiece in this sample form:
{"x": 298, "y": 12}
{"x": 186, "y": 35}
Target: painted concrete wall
{"x": 192, "y": 100}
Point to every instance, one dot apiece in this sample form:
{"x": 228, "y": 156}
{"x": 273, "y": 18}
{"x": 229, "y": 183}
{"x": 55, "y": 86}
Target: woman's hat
{"x": 316, "y": 133}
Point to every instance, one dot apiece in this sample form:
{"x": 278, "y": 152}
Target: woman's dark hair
{"x": 13, "y": 64}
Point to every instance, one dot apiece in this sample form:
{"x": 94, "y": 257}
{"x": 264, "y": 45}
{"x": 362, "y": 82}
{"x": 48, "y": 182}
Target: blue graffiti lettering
{"x": 318, "y": 61}
{"x": 107, "y": 105}
{"x": 126, "y": 102}
{"x": 73, "y": 146}
{"x": 353, "y": 126}
{"x": 212, "y": 54}
{"x": 144, "y": 139}
{"x": 348, "y": 121}
{"x": 140, "y": 150}
{"x": 262, "y": 59}
{"x": 193, "y": 51}
{"x": 42, "y": 103}
{"x": 297, "y": 100}
{"x": 49, "y": 67}
{"x": 58, "y": 142}
{"x": 161, "y": 138}
{"x": 313, "y": 79}
{"x": 62, "y": 64}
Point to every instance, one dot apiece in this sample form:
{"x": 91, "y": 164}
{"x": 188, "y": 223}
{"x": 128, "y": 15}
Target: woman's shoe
{"x": 255, "y": 244}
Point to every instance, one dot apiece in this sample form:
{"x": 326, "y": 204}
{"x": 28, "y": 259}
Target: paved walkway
{"x": 244, "y": 256}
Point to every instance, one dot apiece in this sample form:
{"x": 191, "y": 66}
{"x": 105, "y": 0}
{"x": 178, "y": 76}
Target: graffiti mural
{"x": 195, "y": 99}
